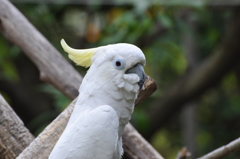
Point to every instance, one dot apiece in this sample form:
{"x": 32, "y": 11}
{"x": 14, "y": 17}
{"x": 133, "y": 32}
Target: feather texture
{"x": 87, "y": 136}
{"x": 80, "y": 57}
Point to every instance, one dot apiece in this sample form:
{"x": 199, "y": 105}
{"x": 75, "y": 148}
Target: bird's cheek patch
{"x": 128, "y": 87}
{"x": 131, "y": 82}
{"x": 121, "y": 85}
{"x": 131, "y": 78}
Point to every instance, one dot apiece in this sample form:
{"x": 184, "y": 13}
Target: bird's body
{"x": 104, "y": 106}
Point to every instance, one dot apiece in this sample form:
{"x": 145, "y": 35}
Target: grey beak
{"x": 138, "y": 69}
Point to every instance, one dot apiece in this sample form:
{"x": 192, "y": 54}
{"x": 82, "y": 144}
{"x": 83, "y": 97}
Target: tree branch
{"x": 150, "y": 87}
{"x": 143, "y": 150}
{"x": 223, "y": 151}
{"x": 17, "y": 29}
{"x": 42, "y": 146}
{"x": 14, "y": 137}
{"x": 55, "y": 70}
{"x": 183, "y": 154}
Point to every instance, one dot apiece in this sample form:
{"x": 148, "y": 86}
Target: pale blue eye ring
{"x": 119, "y": 63}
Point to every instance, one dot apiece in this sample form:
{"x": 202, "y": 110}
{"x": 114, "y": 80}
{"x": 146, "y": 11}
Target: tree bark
{"x": 183, "y": 154}
{"x": 150, "y": 87}
{"x": 14, "y": 137}
{"x": 196, "y": 82}
{"x": 143, "y": 150}
{"x": 223, "y": 151}
{"x": 53, "y": 69}
{"x": 17, "y": 29}
{"x": 42, "y": 146}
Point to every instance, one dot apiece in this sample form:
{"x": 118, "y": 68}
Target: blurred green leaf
{"x": 165, "y": 20}
{"x": 9, "y": 71}
{"x": 61, "y": 101}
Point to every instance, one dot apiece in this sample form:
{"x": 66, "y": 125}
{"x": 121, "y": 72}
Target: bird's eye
{"x": 119, "y": 63}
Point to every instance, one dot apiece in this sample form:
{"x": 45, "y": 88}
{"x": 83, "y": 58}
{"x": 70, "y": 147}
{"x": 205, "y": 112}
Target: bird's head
{"x": 121, "y": 63}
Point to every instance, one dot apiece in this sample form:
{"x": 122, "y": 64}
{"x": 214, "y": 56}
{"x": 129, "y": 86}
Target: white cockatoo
{"x": 105, "y": 104}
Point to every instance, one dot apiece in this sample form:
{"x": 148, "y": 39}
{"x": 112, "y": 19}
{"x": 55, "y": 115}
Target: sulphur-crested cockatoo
{"x": 105, "y": 104}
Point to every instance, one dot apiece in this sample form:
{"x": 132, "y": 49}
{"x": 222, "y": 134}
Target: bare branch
{"x": 14, "y": 137}
{"x": 42, "y": 146}
{"x": 183, "y": 154}
{"x": 143, "y": 150}
{"x": 150, "y": 87}
{"x": 53, "y": 67}
{"x": 223, "y": 151}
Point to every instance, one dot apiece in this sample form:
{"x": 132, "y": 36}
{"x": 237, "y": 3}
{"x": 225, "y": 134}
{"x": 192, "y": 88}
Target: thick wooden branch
{"x": 17, "y": 29}
{"x": 200, "y": 79}
{"x": 14, "y": 137}
{"x": 55, "y": 70}
{"x": 150, "y": 87}
{"x": 42, "y": 146}
{"x": 143, "y": 150}
{"x": 223, "y": 151}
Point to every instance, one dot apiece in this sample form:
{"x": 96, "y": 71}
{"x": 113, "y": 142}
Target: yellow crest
{"x": 81, "y": 57}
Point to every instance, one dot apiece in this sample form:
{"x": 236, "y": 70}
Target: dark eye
{"x": 119, "y": 63}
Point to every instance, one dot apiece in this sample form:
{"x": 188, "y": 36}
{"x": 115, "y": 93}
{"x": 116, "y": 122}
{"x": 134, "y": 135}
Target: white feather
{"x": 87, "y": 136}
{"x": 103, "y": 108}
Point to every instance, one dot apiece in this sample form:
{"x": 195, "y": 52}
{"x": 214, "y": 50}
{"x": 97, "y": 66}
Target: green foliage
{"x": 39, "y": 123}
{"x": 219, "y": 115}
{"x": 160, "y": 142}
{"x": 8, "y": 69}
{"x": 140, "y": 119}
{"x": 60, "y": 100}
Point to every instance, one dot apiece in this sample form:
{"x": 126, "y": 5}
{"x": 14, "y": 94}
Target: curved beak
{"x": 138, "y": 69}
